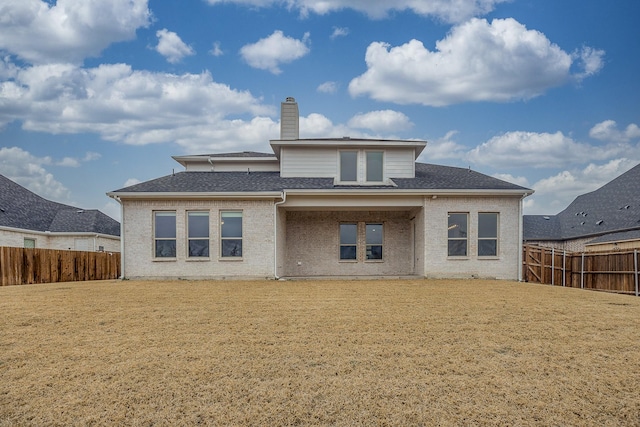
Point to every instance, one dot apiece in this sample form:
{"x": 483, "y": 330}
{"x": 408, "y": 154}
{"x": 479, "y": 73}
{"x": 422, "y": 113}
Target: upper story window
{"x": 487, "y": 234}
{"x": 198, "y": 234}
{"x": 351, "y": 162}
{"x": 164, "y": 224}
{"x": 374, "y": 166}
{"x": 348, "y": 166}
{"x": 457, "y": 234}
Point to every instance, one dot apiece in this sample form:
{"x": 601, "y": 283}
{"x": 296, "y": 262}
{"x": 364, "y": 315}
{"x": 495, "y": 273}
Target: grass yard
{"x": 345, "y": 353}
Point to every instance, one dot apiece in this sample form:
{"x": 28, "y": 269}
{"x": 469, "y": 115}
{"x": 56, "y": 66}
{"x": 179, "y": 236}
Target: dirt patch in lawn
{"x": 317, "y": 353}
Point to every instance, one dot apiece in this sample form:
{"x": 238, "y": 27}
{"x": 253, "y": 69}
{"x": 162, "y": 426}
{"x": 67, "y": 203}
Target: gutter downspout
{"x": 117, "y": 199}
{"x": 275, "y": 234}
{"x": 520, "y": 237}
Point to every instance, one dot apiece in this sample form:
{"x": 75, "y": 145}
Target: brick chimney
{"x": 289, "y": 119}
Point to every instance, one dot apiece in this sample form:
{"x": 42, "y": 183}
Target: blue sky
{"x": 96, "y": 95}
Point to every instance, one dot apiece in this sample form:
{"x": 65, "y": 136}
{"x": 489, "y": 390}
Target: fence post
{"x": 553, "y": 266}
{"x": 582, "y": 273}
{"x": 564, "y": 266}
{"x": 635, "y": 261}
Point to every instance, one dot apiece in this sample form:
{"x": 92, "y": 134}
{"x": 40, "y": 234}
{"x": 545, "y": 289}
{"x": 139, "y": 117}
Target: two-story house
{"x": 329, "y": 207}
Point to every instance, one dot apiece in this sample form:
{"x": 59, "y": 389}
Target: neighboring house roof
{"x": 22, "y": 209}
{"x": 618, "y": 237}
{"x": 428, "y": 177}
{"x": 612, "y": 208}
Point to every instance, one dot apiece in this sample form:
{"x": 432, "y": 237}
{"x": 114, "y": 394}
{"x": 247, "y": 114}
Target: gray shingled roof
{"x": 428, "y": 177}
{"x": 614, "y": 207}
{"x": 20, "y": 208}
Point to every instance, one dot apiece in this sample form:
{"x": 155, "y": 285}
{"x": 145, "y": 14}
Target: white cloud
{"x": 171, "y": 46}
{"x": 446, "y": 10}
{"x": 539, "y": 150}
{"x": 134, "y": 107}
{"x": 443, "y": 148}
{"x": 216, "y": 50}
{"x": 381, "y": 121}
{"x": 27, "y": 170}
{"x": 69, "y": 30}
{"x": 328, "y": 87}
{"x": 73, "y": 162}
{"x": 499, "y": 61}
{"x": 268, "y": 53}
{"x": 112, "y": 208}
{"x": 339, "y": 32}
{"x": 69, "y": 162}
{"x": 131, "y": 181}
{"x": 90, "y": 156}
{"x": 591, "y": 61}
{"x": 558, "y": 191}
{"x": 608, "y": 131}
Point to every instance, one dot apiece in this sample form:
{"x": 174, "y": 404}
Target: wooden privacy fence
{"x": 601, "y": 271}
{"x": 20, "y": 266}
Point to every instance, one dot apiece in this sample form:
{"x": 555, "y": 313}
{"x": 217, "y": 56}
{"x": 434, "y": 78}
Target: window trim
{"x": 221, "y": 255}
{"x": 465, "y": 239}
{"x": 207, "y": 238}
{"x": 496, "y": 238}
{"x": 156, "y": 238}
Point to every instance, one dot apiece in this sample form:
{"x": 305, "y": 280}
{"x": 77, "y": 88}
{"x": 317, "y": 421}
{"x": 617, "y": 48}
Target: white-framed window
{"x": 348, "y": 166}
{"x": 374, "y": 237}
{"x": 197, "y": 234}
{"x": 29, "y": 243}
{"x": 359, "y": 240}
{"x": 457, "y": 230}
{"x": 374, "y": 165}
{"x": 348, "y": 241}
{"x": 361, "y": 166}
{"x": 488, "y": 234}
{"x": 231, "y": 234}
{"x": 164, "y": 225}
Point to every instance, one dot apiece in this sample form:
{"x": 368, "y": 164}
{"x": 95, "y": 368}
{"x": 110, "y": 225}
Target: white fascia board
{"x": 58, "y": 233}
{"x": 404, "y": 192}
{"x": 243, "y": 159}
{"x": 184, "y": 160}
{"x": 199, "y": 195}
{"x": 417, "y": 145}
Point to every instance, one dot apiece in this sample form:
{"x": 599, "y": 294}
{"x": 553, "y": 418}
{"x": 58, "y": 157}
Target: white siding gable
{"x": 309, "y": 162}
{"x": 399, "y": 163}
{"x": 324, "y": 162}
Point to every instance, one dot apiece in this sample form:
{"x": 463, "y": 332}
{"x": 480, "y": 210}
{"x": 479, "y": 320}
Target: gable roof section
{"x": 22, "y": 209}
{"x": 428, "y": 177}
{"x": 614, "y": 207}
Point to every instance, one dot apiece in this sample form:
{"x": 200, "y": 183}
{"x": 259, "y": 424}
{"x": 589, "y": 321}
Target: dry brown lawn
{"x": 344, "y": 353}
